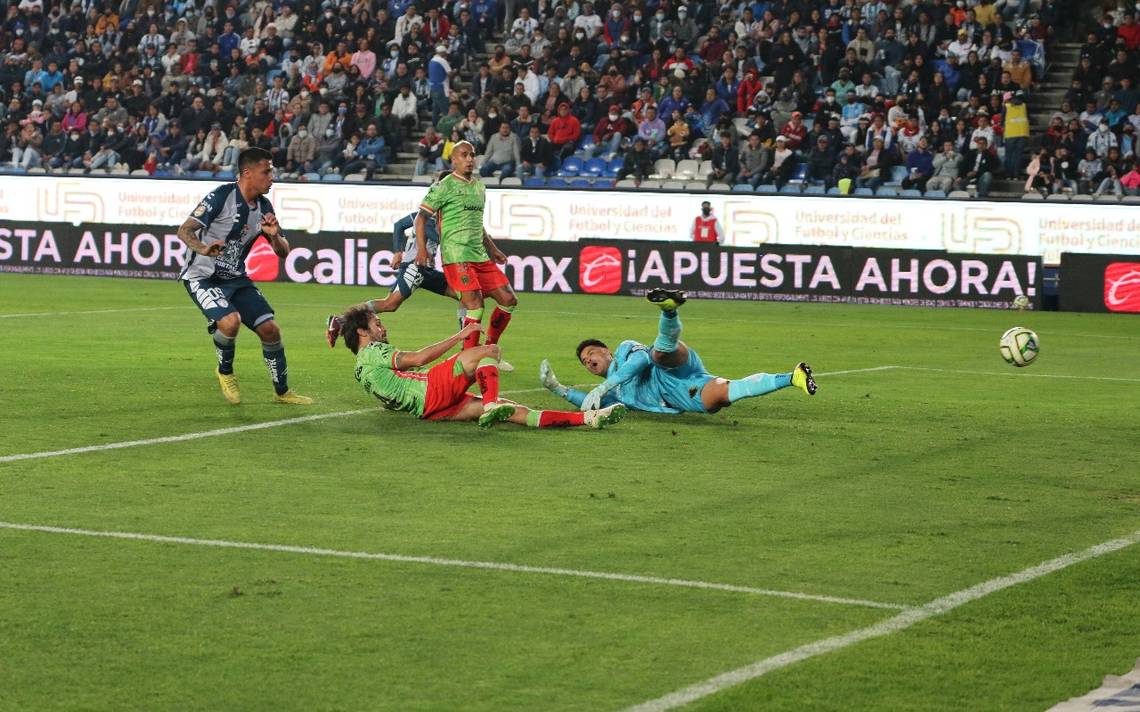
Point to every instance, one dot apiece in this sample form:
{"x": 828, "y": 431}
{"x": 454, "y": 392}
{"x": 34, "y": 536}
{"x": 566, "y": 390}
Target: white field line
{"x": 1018, "y": 374}
{"x": 204, "y": 434}
{"x": 902, "y": 621}
{"x": 458, "y": 563}
{"x": 89, "y": 311}
{"x": 271, "y": 424}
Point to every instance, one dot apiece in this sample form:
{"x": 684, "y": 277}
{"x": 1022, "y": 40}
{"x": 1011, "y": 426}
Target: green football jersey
{"x": 457, "y": 205}
{"x": 397, "y": 389}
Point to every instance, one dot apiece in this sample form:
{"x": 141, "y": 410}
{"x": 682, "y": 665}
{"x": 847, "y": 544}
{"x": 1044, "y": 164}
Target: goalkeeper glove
{"x": 549, "y": 380}
{"x": 593, "y": 400}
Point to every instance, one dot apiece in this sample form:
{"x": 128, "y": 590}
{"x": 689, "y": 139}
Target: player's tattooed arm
{"x": 415, "y": 359}
{"x": 421, "y": 237}
{"x": 496, "y": 254}
{"x": 186, "y": 234}
{"x": 272, "y": 231}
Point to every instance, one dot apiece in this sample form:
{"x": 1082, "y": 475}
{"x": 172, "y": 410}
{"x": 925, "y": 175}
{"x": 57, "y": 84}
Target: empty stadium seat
{"x": 1107, "y": 198}
{"x": 1062, "y": 198}
{"x": 425, "y": 179}
{"x": 664, "y": 167}
{"x": 203, "y": 174}
{"x": 834, "y": 191}
{"x": 534, "y": 182}
{"x": 704, "y": 169}
{"x": 673, "y": 185}
{"x": 613, "y": 168}
{"x": 800, "y": 176}
{"x": 958, "y": 194}
{"x": 863, "y": 191}
{"x": 697, "y": 186}
{"x": 312, "y": 176}
{"x": 511, "y": 181}
{"x": 887, "y": 192}
{"x": 332, "y": 178}
{"x": 354, "y": 178}
{"x": 595, "y": 167}
{"x": 815, "y": 190}
{"x": 742, "y": 188}
{"x": 556, "y": 183}
{"x": 767, "y": 188}
{"x": 792, "y": 188}
{"x": 627, "y": 183}
{"x": 581, "y": 183}
{"x": 687, "y": 168}
{"x": 1033, "y": 196}
{"x": 898, "y": 173}
{"x": 936, "y": 194}
{"x": 720, "y": 186}
{"x": 571, "y": 167}
{"x": 910, "y": 193}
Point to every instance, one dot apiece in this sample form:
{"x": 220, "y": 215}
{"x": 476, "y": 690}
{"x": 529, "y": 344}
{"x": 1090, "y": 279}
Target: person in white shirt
{"x": 589, "y": 21}
{"x": 962, "y": 46}
{"x": 526, "y": 23}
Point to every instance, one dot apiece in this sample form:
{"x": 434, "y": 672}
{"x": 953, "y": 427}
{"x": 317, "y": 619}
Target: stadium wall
{"x": 980, "y": 227}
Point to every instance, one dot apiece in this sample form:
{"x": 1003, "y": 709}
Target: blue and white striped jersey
{"x": 226, "y": 218}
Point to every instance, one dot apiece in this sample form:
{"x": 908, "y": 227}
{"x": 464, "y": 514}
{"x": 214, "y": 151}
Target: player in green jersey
{"x": 468, "y": 253}
{"x": 405, "y": 381}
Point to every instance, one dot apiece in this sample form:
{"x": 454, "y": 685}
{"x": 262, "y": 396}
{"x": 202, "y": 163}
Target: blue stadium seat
{"x": 203, "y": 174}
{"x": 162, "y": 173}
{"x": 586, "y": 142}
{"x": 792, "y": 188}
{"x": 534, "y": 182}
{"x": 766, "y": 188}
{"x": 936, "y": 194}
{"x": 595, "y": 167}
{"x": 910, "y": 193}
{"x": 742, "y": 188}
{"x": 887, "y": 192}
{"x": 863, "y": 191}
{"x": 800, "y": 176}
{"x": 225, "y": 175}
{"x": 581, "y": 183}
{"x": 312, "y": 176}
{"x": 332, "y": 178}
{"x": 571, "y": 167}
{"x": 815, "y": 190}
{"x": 834, "y": 191}
{"x": 613, "y": 168}
{"x": 898, "y": 173}
{"x": 555, "y": 183}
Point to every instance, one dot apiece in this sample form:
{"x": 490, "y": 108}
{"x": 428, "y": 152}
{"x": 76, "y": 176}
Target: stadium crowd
{"x": 846, "y": 94}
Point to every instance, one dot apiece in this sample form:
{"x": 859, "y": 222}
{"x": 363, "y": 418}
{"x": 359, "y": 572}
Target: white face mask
{"x": 492, "y": 114}
{"x": 616, "y": 14}
{"x": 302, "y": 133}
{"x": 394, "y": 53}
{"x": 74, "y": 137}
{"x": 660, "y": 16}
{"x": 637, "y": 17}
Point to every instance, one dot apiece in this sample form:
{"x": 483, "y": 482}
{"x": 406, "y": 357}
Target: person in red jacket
{"x": 565, "y": 130}
{"x": 748, "y": 90}
{"x": 610, "y": 131}
{"x": 706, "y": 228}
{"x": 795, "y": 131}
{"x": 1129, "y": 31}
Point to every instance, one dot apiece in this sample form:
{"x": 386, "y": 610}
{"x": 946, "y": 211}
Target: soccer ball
{"x": 1019, "y": 346}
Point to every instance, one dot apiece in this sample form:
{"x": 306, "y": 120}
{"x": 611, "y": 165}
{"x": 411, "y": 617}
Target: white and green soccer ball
{"x": 1019, "y": 346}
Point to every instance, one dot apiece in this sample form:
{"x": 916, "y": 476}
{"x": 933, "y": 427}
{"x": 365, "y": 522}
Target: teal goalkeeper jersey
{"x": 457, "y": 205}
{"x": 397, "y": 389}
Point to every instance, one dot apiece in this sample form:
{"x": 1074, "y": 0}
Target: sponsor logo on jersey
{"x": 261, "y": 264}
{"x": 1122, "y": 287}
{"x": 599, "y": 269}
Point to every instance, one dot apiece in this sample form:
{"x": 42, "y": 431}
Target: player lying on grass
{"x": 669, "y": 378}
{"x": 402, "y": 380}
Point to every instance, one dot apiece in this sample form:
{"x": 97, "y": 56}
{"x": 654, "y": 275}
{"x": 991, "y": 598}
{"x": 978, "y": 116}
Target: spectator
{"x": 503, "y": 153}
{"x": 920, "y": 166}
{"x": 1089, "y": 171}
{"x": 1015, "y": 132}
{"x": 678, "y": 133}
{"x": 610, "y": 131}
{"x": 439, "y": 78}
{"x": 564, "y": 133}
{"x": 370, "y": 154}
{"x": 1130, "y": 181}
{"x": 876, "y": 165}
{"x": 26, "y": 152}
{"x": 794, "y": 131}
{"x": 302, "y": 152}
{"x": 847, "y": 169}
{"x": 1039, "y": 173}
{"x": 782, "y": 165}
{"x": 430, "y": 149}
{"x": 978, "y": 167}
{"x": 652, "y": 131}
{"x": 638, "y": 162}
{"x": 537, "y": 156}
{"x": 1103, "y": 140}
{"x": 725, "y": 161}
{"x": 404, "y": 108}
{"x": 820, "y": 161}
{"x": 945, "y": 168}
{"x": 445, "y": 124}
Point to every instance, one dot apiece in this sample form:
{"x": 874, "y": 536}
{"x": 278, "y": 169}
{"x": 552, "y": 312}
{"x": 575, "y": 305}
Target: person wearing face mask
{"x": 658, "y": 24}
{"x": 589, "y": 22}
{"x": 686, "y": 31}
{"x": 611, "y": 130}
{"x": 1102, "y": 140}
{"x": 302, "y": 152}
{"x": 706, "y": 226}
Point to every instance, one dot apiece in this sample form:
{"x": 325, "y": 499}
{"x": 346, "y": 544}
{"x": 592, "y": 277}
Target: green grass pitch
{"x": 896, "y": 486}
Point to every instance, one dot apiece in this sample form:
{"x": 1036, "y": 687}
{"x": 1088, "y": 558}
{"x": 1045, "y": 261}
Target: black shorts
{"x": 412, "y": 276}
{"x": 218, "y": 297}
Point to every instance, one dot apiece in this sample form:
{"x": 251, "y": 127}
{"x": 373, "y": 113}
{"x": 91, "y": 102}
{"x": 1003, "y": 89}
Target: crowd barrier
{"x": 960, "y": 226}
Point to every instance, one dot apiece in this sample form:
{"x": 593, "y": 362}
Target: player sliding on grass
{"x": 220, "y": 232}
{"x": 410, "y": 276}
{"x": 669, "y": 378}
{"x": 469, "y": 255}
{"x": 401, "y": 380}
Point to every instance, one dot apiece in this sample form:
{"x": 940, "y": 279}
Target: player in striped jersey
{"x": 220, "y": 232}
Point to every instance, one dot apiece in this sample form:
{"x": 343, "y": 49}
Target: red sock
{"x": 560, "y": 419}
{"x": 472, "y": 339}
{"x": 499, "y": 321}
{"x": 487, "y": 374}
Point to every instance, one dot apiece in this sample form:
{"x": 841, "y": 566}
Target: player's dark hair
{"x": 251, "y": 156}
{"x": 353, "y": 319}
{"x": 587, "y": 344}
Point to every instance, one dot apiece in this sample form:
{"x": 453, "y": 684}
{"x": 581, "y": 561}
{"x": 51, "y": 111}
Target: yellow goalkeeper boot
{"x": 229, "y": 387}
{"x": 802, "y": 378}
{"x": 292, "y": 397}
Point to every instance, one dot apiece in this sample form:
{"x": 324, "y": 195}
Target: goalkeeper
{"x": 667, "y": 378}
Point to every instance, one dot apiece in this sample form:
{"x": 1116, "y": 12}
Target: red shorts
{"x": 474, "y": 276}
{"x": 447, "y": 386}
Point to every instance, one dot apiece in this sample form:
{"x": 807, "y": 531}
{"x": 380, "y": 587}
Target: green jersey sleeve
{"x": 396, "y": 389}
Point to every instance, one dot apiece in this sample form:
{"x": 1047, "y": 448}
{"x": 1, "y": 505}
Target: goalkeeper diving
{"x": 668, "y": 377}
